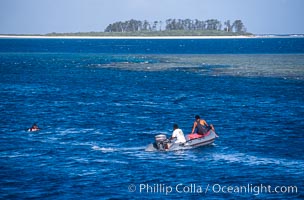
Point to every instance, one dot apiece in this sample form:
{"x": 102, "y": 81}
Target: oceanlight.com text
{"x": 254, "y": 189}
{"x": 214, "y": 188}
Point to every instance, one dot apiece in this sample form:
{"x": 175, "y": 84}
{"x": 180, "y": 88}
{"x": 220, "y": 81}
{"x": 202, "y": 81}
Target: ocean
{"x": 100, "y": 102}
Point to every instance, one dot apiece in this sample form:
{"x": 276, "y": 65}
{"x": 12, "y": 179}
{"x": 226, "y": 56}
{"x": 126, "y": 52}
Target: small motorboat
{"x": 193, "y": 141}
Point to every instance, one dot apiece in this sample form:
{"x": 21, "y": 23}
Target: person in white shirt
{"x": 178, "y": 135}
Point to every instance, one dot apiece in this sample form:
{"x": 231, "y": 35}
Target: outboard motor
{"x": 161, "y": 142}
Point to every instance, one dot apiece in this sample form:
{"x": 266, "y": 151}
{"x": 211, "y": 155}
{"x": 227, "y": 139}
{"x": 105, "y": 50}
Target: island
{"x": 168, "y": 29}
{"x": 171, "y": 27}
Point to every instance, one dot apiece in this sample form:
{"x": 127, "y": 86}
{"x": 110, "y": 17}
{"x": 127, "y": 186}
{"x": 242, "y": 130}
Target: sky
{"x": 62, "y": 16}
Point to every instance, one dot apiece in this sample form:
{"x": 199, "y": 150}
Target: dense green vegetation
{"x": 153, "y": 33}
{"x": 179, "y": 27}
{"x": 171, "y": 27}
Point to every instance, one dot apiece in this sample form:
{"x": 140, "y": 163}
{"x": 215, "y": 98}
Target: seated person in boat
{"x": 200, "y": 126}
{"x": 34, "y": 128}
{"x": 178, "y": 135}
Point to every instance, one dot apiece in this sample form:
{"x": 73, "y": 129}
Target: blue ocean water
{"x": 157, "y": 46}
{"x": 100, "y": 102}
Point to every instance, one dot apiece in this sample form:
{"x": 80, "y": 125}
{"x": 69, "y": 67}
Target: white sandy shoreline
{"x": 122, "y": 37}
{"x": 140, "y": 37}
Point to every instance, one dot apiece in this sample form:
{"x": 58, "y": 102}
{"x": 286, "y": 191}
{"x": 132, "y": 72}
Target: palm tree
{"x": 160, "y": 25}
{"x": 146, "y": 26}
{"x": 228, "y": 25}
{"x": 154, "y": 27}
{"x": 169, "y": 24}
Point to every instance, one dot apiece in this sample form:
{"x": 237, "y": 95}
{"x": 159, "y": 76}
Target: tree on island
{"x": 228, "y": 26}
{"x": 238, "y": 26}
{"x": 176, "y": 24}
